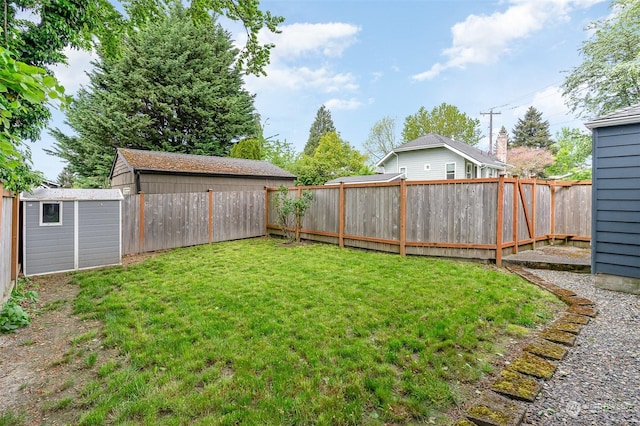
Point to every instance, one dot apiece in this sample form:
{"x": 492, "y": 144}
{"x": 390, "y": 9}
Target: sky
{"x": 365, "y": 60}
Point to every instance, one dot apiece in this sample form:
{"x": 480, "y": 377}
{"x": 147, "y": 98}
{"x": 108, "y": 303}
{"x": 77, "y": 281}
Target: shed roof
{"x": 68, "y": 194}
{"x": 170, "y": 162}
{"x": 381, "y": 177}
{"x": 627, "y": 115}
{"x": 432, "y": 140}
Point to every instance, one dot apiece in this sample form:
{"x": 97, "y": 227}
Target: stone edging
{"x": 505, "y": 402}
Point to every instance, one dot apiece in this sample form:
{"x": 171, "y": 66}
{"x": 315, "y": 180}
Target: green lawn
{"x": 254, "y": 332}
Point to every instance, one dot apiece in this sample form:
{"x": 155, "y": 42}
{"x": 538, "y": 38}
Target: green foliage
{"x": 531, "y": 131}
{"x": 66, "y": 178}
{"x": 291, "y": 209}
{"x": 322, "y": 125}
{"x": 280, "y": 153}
{"x": 12, "y": 314}
{"x": 573, "y": 147}
{"x": 332, "y": 158}
{"x": 381, "y": 139}
{"x": 175, "y": 88}
{"x": 22, "y": 86}
{"x": 609, "y": 76}
{"x": 446, "y": 120}
{"x": 251, "y": 149}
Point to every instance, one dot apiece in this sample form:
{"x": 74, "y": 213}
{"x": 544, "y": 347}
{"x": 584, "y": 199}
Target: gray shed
{"x": 615, "y": 247}
{"x": 69, "y": 229}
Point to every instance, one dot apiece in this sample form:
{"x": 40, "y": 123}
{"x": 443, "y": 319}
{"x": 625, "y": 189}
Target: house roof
{"x": 627, "y": 115}
{"x": 386, "y": 177}
{"x": 433, "y": 140}
{"x": 69, "y": 194}
{"x": 170, "y": 162}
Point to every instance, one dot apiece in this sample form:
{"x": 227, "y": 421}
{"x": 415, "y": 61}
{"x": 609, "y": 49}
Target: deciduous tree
{"x": 529, "y": 162}
{"x": 572, "y": 149}
{"x": 531, "y": 131}
{"x": 175, "y": 88}
{"x": 609, "y": 76}
{"x": 332, "y": 159}
{"x": 22, "y": 86}
{"x": 382, "y": 139}
{"x": 446, "y": 120}
{"x": 322, "y": 125}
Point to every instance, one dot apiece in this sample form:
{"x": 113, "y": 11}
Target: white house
{"x": 435, "y": 157}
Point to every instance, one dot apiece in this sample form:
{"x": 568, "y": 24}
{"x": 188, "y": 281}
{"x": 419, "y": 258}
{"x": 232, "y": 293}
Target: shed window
{"x": 451, "y": 170}
{"x": 50, "y": 213}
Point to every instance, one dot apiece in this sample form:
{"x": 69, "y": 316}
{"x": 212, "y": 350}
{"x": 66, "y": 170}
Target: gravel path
{"x": 598, "y": 383}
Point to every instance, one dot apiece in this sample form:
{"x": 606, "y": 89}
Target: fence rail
{"x": 163, "y": 221}
{"x": 475, "y": 218}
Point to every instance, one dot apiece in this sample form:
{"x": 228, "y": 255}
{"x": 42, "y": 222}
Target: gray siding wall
{"x": 47, "y": 248}
{"x": 98, "y": 233}
{"x": 435, "y": 159}
{"x": 616, "y": 201}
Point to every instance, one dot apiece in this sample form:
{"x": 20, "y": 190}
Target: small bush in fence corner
{"x": 291, "y": 209}
{"x": 12, "y": 314}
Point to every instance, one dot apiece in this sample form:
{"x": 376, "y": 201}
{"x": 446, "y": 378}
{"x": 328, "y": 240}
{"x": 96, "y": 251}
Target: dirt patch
{"x": 44, "y": 367}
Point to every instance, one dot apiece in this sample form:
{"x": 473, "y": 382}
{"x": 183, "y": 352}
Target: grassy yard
{"x": 254, "y": 332}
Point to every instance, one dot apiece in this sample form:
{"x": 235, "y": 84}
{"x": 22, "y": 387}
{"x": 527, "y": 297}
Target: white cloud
{"x": 296, "y": 40}
{"x": 551, "y": 104}
{"x": 482, "y": 39}
{"x": 73, "y": 75}
{"x": 297, "y": 50}
{"x": 342, "y": 104}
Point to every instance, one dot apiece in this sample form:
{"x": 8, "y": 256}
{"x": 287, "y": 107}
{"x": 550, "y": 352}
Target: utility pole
{"x": 490, "y": 114}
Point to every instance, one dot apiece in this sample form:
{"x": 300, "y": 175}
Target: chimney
{"x": 501, "y": 145}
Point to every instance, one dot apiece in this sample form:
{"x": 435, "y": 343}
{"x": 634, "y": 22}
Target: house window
{"x": 403, "y": 170}
{"x": 451, "y": 170}
{"x": 427, "y": 167}
{"x": 469, "y": 170}
{"x": 50, "y": 213}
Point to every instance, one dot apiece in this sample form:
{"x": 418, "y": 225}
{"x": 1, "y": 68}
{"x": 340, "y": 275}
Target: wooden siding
{"x": 480, "y": 219}
{"x": 184, "y": 219}
{"x": 158, "y": 183}
{"x": 616, "y": 201}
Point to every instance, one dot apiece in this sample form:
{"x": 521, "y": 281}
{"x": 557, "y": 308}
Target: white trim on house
{"x": 440, "y": 145}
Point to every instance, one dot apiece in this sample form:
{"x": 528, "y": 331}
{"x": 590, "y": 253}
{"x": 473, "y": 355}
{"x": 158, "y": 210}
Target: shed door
{"x": 98, "y": 233}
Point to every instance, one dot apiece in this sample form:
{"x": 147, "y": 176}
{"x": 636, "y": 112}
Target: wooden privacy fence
{"x": 471, "y": 218}
{"x": 163, "y": 221}
{"x": 9, "y": 223}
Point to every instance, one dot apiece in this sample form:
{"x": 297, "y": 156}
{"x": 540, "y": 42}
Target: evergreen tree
{"x": 446, "y": 120}
{"x": 531, "y": 131}
{"x": 322, "y": 125}
{"x": 175, "y": 88}
{"x": 66, "y": 178}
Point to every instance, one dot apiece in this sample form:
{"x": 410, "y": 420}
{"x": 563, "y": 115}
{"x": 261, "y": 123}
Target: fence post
{"x": 341, "y": 216}
{"x": 266, "y": 210}
{"x": 516, "y": 195}
{"x": 403, "y": 217}
{"x": 533, "y": 211}
{"x": 500, "y": 220}
{"x": 141, "y": 224}
{"x": 15, "y": 231}
{"x": 210, "y": 228}
{"x": 298, "y": 227}
{"x": 553, "y": 188}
